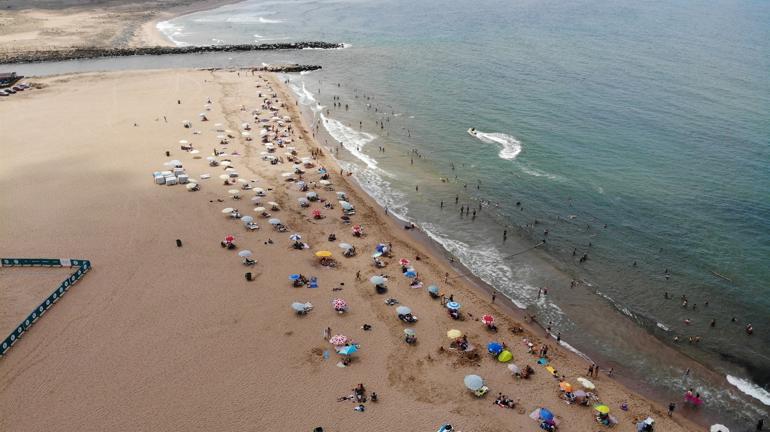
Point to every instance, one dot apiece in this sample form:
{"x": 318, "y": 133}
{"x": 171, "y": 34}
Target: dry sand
{"x": 27, "y": 25}
{"x": 157, "y": 337}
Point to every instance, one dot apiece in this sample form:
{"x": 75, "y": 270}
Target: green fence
{"x": 82, "y": 267}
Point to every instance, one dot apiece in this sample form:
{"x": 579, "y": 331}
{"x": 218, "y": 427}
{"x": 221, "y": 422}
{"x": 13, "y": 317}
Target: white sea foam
{"x": 662, "y": 326}
{"x": 510, "y": 147}
{"x": 750, "y": 389}
{"x": 487, "y": 263}
{"x": 574, "y": 350}
{"x": 171, "y": 31}
{"x": 538, "y": 173}
{"x": 373, "y": 183}
{"x": 264, "y": 20}
{"x": 352, "y": 140}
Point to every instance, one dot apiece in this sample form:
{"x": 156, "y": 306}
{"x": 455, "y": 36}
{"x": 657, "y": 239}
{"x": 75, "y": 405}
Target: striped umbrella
{"x": 338, "y": 340}
{"x": 487, "y": 319}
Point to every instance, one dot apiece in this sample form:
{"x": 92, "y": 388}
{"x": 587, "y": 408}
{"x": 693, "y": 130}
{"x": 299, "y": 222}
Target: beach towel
{"x": 542, "y": 361}
{"x": 550, "y": 370}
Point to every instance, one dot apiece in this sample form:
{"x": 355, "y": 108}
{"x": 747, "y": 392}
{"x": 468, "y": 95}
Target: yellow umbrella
{"x": 454, "y": 334}
{"x": 604, "y": 409}
{"x": 504, "y": 356}
{"x": 323, "y": 254}
{"x": 567, "y": 387}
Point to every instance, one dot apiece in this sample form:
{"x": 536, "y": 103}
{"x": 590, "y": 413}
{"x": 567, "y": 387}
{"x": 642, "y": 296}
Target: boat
{"x": 472, "y": 131}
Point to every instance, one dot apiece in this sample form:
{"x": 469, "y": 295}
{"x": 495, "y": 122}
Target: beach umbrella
{"x": 347, "y": 350}
{"x": 545, "y": 414}
{"x": 473, "y": 382}
{"x": 409, "y": 332}
{"x": 227, "y": 210}
{"x": 403, "y": 310}
{"x": 324, "y": 182}
{"x": 346, "y": 205}
{"x": 410, "y": 274}
{"x": 294, "y": 277}
{"x": 513, "y": 368}
{"x": 246, "y": 134}
{"x": 316, "y": 213}
{"x": 224, "y": 177}
{"x": 487, "y": 319}
{"x": 303, "y": 201}
{"x": 378, "y": 280}
{"x": 258, "y": 190}
{"x": 195, "y": 152}
{"x": 718, "y": 428}
{"x": 229, "y": 238}
{"x": 494, "y": 347}
{"x": 453, "y": 305}
{"x": 565, "y": 386}
{"x": 579, "y": 394}
{"x": 311, "y": 195}
{"x": 300, "y": 184}
{"x": 299, "y": 307}
{"x": 211, "y": 158}
{"x": 588, "y": 385}
{"x": 604, "y": 409}
{"x": 227, "y": 164}
{"x": 381, "y": 247}
{"x": 504, "y": 356}
{"x": 247, "y": 219}
{"x": 259, "y": 209}
{"x": 234, "y": 192}
{"x": 191, "y": 186}
{"x": 339, "y": 303}
{"x": 433, "y": 289}
{"x": 323, "y": 254}
{"x": 255, "y": 200}
{"x": 346, "y": 246}
{"x": 454, "y": 334}
{"x": 274, "y": 221}
{"x": 272, "y": 204}
{"x": 295, "y": 237}
{"x": 338, "y": 340}
{"x": 287, "y": 174}
{"x": 404, "y": 262}
{"x": 184, "y": 142}
{"x": 244, "y": 253}
{"x": 244, "y": 181}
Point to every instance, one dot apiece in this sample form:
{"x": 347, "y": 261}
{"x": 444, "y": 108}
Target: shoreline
{"x": 428, "y": 247}
{"x": 149, "y": 33}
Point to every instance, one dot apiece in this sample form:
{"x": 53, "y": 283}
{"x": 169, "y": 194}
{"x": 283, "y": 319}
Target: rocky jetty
{"x": 87, "y": 53}
{"x": 287, "y": 68}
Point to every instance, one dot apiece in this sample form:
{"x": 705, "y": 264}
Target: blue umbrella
{"x": 494, "y": 348}
{"x": 347, "y": 350}
{"x": 295, "y": 237}
{"x": 545, "y": 414}
{"x": 294, "y": 277}
{"x": 433, "y": 289}
{"x": 381, "y": 247}
{"x": 410, "y": 274}
{"x": 453, "y": 305}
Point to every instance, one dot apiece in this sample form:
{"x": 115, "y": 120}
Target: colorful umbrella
{"x": 404, "y": 262}
{"x": 545, "y": 414}
{"x": 295, "y": 237}
{"x": 473, "y": 382}
{"x": 505, "y": 356}
{"x": 494, "y": 348}
{"x": 347, "y": 350}
{"x": 410, "y": 274}
{"x": 339, "y": 304}
{"x": 604, "y": 409}
{"x": 323, "y": 254}
{"x": 454, "y": 334}
{"x": 294, "y": 277}
{"x": 565, "y": 386}
{"x": 316, "y": 213}
{"x": 453, "y": 305}
{"x": 487, "y": 319}
{"x": 338, "y": 340}
{"x": 229, "y": 238}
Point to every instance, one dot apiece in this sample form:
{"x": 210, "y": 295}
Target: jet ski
{"x": 472, "y": 131}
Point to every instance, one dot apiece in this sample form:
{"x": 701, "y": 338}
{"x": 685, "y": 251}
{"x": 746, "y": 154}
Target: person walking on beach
{"x": 760, "y": 424}
{"x": 494, "y": 296}
{"x": 591, "y": 370}
{"x": 327, "y": 333}
{"x": 671, "y": 408}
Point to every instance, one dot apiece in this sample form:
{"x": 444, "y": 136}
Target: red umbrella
{"x": 229, "y": 239}
{"x": 339, "y": 304}
{"x": 404, "y": 262}
{"x": 316, "y": 213}
{"x": 487, "y": 319}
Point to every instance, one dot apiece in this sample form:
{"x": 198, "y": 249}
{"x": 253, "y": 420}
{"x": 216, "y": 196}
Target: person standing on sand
{"x": 327, "y": 333}
{"x": 494, "y": 296}
{"x": 671, "y": 408}
{"x": 591, "y": 370}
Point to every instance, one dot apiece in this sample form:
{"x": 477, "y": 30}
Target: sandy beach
{"x": 164, "y": 337}
{"x": 50, "y": 25}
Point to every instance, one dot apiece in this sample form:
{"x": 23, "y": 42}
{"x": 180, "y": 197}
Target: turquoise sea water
{"x": 652, "y": 118}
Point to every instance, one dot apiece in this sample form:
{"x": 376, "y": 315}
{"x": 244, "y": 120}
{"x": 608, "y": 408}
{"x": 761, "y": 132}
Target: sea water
{"x": 637, "y": 133}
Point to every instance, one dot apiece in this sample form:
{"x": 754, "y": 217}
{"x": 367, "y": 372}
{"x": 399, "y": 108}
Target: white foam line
{"x": 751, "y": 389}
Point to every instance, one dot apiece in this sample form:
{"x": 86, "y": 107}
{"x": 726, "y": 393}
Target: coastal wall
{"x": 96, "y": 52}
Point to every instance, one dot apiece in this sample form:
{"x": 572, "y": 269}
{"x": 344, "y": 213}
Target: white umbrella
{"x": 195, "y": 152}
{"x": 255, "y": 200}
{"x": 191, "y": 186}
{"x": 246, "y": 133}
{"x": 247, "y": 219}
{"x": 346, "y": 246}
{"x": 719, "y": 428}
{"x": 227, "y": 210}
{"x": 287, "y": 174}
{"x": 513, "y": 368}
{"x": 295, "y": 237}
{"x": 234, "y": 192}
{"x": 184, "y": 142}
{"x": 275, "y": 221}
{"x": 272, "y": 203}
{"x": 473, "y": 382}
{"x": 299, "y": 307}
{"x": 403, "y": 310}
{"x": 259, "y": 209}
{"x": 244, "y": 253}
{"x": 224, "y": 177}
{"x": 226, "y": 164}
{"x": 588, "y": 385}
{"x": 211, "y": 158}
{"x": 324, "y": 182}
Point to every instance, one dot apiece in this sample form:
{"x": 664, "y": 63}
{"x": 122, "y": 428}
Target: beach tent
{"x": 504, "y": 356}
{"x": 347, "y": 350}
{"x": 403, "y": 310}
{"x": 494, "y": 348}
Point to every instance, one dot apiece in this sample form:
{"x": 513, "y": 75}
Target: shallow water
{"x": 649, "y": 118}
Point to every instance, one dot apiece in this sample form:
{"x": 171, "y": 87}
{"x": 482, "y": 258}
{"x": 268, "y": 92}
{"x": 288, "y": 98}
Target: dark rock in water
{"x": 86, "y": 52}
{"x": 286, "y": 68}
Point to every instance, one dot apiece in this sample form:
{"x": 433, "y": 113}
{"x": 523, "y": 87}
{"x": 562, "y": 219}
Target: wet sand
{"x": 153, "y": 321}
